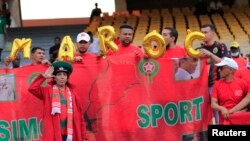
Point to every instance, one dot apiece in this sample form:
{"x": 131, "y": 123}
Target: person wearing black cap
{"x": 61, "y": 104}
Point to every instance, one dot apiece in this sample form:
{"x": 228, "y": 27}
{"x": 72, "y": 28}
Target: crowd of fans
{"x": 228, "y": 81}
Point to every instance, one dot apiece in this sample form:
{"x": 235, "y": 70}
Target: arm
{"x": 6, "y": 33}
{"x": 51, "y": 52}
{"x": 207, "y": 53}
{"x": 45, "y": 61}
{"x": 7, "y": 61}
{"x": 35, "y": 86}
{"x": 217, "y": 107}
{"x": 91, "y": 15}
{"x": 139, "y": 52}
{"x": 243, "y": 103}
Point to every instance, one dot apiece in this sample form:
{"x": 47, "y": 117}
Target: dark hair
{"x": 211, "y": 26}
{"x": 173, "y": 33}
{"x": 126, "y": 26}
{"x": 33, "y": 50}
{"x": 57, "y": 38}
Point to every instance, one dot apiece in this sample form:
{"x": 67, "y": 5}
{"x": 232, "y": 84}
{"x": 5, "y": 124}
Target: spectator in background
{"x": 38, "y": 56}
{"x": 244, "y": 73}
{"x": 230, "y": 94}
{"x": 215, "y": 7}
{"x": 200, "y": 8}
{"x": 96, "y": 12}
{"x": 53, "y": 51}
{"x": 3, "y": 33}
{"x": 236, "y": 55}
{"x": 219, "y": 50}
{"x": 170, "y": 36}
{"x": 6, "y": 14}
{"x": 4, "y": 3}
{"x": 94, "y": 46}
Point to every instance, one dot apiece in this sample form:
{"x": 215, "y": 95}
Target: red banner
{"x": 239, "y": 118}
{"x": 124, "y": 99}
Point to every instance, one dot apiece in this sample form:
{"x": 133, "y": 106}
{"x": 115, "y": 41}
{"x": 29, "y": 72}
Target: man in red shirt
{"x": 125, "y": 42}
{"x": 230, "y": 94}
{"x": 170, "y": 36}
{"x": 236, "y": 55}
{"x": 37, "y": 57}
{"x": 83, "y": 42}
{"x": 218, "y": 49}
{"x": 244, "y": 73}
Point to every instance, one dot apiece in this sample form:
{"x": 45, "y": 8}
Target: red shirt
{"x": 242, "y": 63}
{"x": 175, "y": 52}
{"x": 244, "y": 74}
{"x": 84, "y": 56}
{"x": 127, "y": 50}
{"x": 229, "y": 94}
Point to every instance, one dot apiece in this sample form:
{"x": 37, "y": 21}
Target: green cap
{"x": 61, "y": 66}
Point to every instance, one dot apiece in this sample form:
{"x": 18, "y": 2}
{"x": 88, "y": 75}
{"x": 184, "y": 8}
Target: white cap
{"x": 83, "y": 36}
{"x": 228, "y": 62}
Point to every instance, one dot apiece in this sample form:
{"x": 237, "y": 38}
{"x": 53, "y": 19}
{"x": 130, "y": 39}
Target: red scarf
{"x": 56, "y": 109}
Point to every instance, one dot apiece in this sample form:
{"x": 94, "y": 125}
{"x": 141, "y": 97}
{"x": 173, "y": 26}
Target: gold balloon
{"x": 102, "y": 45}
{"x": 21, "y": 45}
{"x": 106, "y": 35}
{"x": 113, "y": 46}
{"x": 157, "y": 50}
{"x": 66, "y": 50}
{"x": 191, "y": 36}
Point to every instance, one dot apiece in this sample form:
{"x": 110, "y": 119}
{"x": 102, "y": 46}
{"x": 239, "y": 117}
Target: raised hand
{"x": 45, "y": 61}
{"x": 49, "y": 72}
{"x": 7, "y": 61}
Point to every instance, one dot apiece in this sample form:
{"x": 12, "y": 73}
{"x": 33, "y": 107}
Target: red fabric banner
{"x": 124, "y": 99}
{"x": 239, "y": 118}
